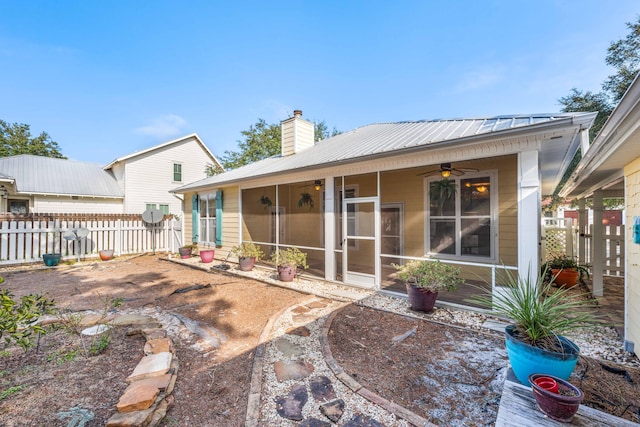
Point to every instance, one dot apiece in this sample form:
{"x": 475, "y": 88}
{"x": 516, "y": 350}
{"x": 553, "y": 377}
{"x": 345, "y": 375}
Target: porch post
{"x": 329, "y": 229}
{"x": 597, "y": 243}
{"x": 529, "y": 213}
{"x": 583, "y": 228}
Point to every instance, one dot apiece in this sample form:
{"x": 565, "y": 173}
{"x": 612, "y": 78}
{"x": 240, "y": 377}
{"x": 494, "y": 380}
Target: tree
{"x": 624, "y": 56}
{"x": 16, "y": 139}
{"x": 261, "y": 141}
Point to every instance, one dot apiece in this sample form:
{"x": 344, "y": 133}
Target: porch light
{"x": 445, "y": 173}
{"x": 481, "y": 188}
{"x": 317, "y": 184}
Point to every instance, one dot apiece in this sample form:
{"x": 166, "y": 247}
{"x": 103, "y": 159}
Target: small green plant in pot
{"x": 288, "y": 260}
{"x": 566, "y": 271}
{"x": 541, "y": 315}
{"x": 248, "y": 253}
{"x": 424, "y": 279}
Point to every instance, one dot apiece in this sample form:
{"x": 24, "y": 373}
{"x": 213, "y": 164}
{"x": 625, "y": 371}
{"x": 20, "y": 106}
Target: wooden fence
{"x": 25, "y": 239}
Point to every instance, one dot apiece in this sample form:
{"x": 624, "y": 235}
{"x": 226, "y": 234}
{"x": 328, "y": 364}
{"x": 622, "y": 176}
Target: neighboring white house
{"x": 129, "y": 184}
{"x": 146, "y": 177}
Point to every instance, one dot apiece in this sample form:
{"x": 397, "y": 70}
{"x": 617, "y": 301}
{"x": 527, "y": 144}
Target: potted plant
{"x": 560, "y": 403}
{"x": 186, "y": 251}
{"x": 305, "y": 199}
{"x": 288, "y": 260}
{"x": 566, "y": 270}
{"x": 424, "y": 279}
{"x": 106, "y": 254}
{"x": 206, "y": 255}
{"x": 540, "y": 315}
{"x": 52, "y": 259}
{"x": 247, "y": 254}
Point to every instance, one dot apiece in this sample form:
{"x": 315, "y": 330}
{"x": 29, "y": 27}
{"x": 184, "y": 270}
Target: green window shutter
{"x": 195, "y": 203}
{"x": 219, "y": 218}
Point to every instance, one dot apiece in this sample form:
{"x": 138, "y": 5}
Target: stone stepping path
{"x": 292, "y": 385}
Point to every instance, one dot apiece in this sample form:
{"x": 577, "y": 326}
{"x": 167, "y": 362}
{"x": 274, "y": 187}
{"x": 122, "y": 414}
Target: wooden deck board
{"x": 518, "y": 408}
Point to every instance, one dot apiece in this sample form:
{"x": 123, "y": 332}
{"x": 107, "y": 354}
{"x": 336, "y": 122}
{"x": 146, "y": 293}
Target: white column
{"x": 598, "y": 244}
{"x": 529, "y": 214}
{"x": 583, "y": 228}
{"x": 329, "y": 228}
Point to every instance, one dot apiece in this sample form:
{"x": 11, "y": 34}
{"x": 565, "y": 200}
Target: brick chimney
{"x": 297, "y": 134}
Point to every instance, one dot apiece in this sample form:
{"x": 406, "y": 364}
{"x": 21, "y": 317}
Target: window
{"x": 207, "y": 210}
{"x": 150, "y": 206}
{"x": 18, "y": 206}
{"x": 460, "y": 217}
{"x": 177, "y": 172}
{"x": 164, "y": 209}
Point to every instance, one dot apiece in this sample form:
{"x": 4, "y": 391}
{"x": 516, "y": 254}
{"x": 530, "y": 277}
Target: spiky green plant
{"x": 540, "y": 313}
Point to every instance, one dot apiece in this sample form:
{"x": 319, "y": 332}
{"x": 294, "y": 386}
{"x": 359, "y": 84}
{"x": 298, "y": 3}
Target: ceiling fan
{"x": 446, "y": 171}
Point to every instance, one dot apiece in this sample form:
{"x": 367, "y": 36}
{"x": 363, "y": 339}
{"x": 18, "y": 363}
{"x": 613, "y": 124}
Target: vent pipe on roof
{"x": 297, "y": 134}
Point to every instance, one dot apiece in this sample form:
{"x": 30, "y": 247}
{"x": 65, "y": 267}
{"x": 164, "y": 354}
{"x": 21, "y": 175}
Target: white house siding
{"x": 149, "y": 177}
{"x": 65, "y": 204}
{"x": 632, "y": 279}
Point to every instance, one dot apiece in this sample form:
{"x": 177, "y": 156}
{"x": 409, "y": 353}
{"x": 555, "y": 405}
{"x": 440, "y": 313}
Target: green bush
{"x": 18, "y": 320}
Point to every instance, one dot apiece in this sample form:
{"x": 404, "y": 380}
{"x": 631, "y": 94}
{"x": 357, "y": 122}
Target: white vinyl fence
{"x": 26, "y": 240}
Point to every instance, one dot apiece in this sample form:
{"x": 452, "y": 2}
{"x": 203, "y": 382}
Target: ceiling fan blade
{"x": 468, "y": 170}
{"x": 457, "y": 172}
{"x": 429, "y": 173}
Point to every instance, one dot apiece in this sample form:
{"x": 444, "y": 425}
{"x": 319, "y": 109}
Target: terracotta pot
{"x": 421, "y": 299}
{"x": 106, "y": 254}
{"x": 286, "y": 273}
{"x": 184, "y": 252}
{"x": 560, "y": 406}
{"x": 246, "y": 263}
{"x": 206, "y": 255}
{"x": 565, "y": 277}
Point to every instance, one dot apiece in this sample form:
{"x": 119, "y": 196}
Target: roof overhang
{"x": 617, "y": 144}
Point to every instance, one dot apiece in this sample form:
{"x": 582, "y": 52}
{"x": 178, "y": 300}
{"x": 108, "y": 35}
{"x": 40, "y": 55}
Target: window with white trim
{"x": 177, "y": 172}
{"x": 207, "y": 211}
{"x": 460, "y": 219}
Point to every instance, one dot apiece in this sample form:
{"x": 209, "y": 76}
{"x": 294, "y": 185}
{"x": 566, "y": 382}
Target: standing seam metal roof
{"x": 46, "y": 175}
{"x": 376, "y": 139}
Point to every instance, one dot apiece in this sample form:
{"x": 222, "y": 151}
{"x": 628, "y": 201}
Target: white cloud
{"x": 163, "y": 127}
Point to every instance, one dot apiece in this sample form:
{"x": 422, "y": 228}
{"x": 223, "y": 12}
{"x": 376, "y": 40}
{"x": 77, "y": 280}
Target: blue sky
{"x": 107, "y": 78}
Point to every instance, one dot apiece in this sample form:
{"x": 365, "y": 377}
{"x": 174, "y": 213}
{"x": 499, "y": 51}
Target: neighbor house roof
{"x": 46, "y": 175}
{"x": 617, "y": 144}
{"x": 385, "y": 139}
{"x": 164, "y": 145}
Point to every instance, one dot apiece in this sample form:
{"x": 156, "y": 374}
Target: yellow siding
{"x": 632, "y": 196}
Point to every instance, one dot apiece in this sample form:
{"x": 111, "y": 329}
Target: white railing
{"x": 25, "y": 241}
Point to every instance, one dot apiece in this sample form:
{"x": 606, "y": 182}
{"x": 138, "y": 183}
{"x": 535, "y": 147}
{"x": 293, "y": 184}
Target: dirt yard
{"x": 212, "y": 387}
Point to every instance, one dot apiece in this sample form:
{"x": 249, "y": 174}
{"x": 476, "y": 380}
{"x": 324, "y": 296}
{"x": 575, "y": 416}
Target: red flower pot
{"x": 246, "y": 263}
{"x": 560, "y": 406}
{"x": 547, "y": 383}
{"x": 206, "y": 255}
{"x": 421, "y": 299}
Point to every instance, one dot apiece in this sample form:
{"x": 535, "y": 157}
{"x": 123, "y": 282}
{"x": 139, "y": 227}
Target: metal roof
{"x": 46, "y": 175}
{"x": 391, "y": 138}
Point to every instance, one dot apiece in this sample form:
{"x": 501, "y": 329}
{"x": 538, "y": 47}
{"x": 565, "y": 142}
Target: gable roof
{"x": 384, "y": 139}
{"x": 47, "y": 175}
{"x": 162, "y": 146}
{"x": 616, "y": 145}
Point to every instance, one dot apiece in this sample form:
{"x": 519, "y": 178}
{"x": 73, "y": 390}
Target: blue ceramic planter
{"x": 51, "y": 260}
{"x": 526, "y": 359}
